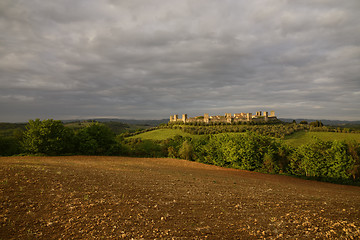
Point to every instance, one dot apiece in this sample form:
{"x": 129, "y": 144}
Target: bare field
{"x": 122, "y": 198}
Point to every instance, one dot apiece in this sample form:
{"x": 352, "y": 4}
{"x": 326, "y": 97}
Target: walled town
{"x": 228, "y": 118}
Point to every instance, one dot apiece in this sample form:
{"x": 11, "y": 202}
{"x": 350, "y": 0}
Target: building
{"x": 227, "y": 118}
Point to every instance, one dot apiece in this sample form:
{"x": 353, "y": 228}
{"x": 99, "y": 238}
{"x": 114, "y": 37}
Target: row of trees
{"x": 332, "y": 161}
{"x": 271, "y": 130}
{"x": 274, "y": 129}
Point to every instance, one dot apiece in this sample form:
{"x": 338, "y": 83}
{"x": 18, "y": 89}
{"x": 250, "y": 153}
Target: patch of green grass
{"x": 296, "y": 139}
{"x": 162, "y": 134}
{"x": 300, "y": 138}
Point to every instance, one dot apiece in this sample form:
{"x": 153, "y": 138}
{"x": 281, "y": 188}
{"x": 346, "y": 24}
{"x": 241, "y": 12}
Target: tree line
{"x": 273, "y": 129}
{"x": 334, "y": 161}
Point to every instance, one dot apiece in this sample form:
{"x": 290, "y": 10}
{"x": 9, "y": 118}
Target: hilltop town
{"x": 227, "y": 118}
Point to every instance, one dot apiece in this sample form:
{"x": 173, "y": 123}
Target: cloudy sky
{"x": 147, "y": 59}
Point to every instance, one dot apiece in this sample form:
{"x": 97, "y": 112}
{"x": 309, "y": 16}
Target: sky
{"x": 149, "y": 59}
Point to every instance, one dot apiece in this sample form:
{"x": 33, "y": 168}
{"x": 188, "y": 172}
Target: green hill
{"x": 162, "y": 134}
{"x": 295, "y": 139}
{"x": 299, "y": 138}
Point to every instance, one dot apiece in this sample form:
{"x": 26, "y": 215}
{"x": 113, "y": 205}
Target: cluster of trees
{"x": 332, "y": 129}
{"x": 51, "y": 137}
{"x": 271, "y": 130}
{"x": 9, "y": 145}
{"x": 318, "y": 126}
{"x": 326, "y": 160}
{"x": 335, "y": 161}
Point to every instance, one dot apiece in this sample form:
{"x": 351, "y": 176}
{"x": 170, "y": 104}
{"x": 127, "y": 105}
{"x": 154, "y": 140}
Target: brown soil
{"x": 122, "y": 198}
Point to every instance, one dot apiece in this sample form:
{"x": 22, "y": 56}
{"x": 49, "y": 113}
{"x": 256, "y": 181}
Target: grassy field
{"x": 300, "y": 138}
{"x": 162, "y": 134}
{"x": 85, "y": 197}
{"x": 295, "y": 139}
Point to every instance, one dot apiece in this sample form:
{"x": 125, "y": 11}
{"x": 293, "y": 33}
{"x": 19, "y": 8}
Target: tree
{"x": 49, "y": 137}
{"x": 9, "y": 146}
{"x": 186, "y": 151}
{"x": 354, "y": 152}
{"x": 339, "y": 162}
{"x": 316, "y": 124}
{"x": 320, "y": 159}
{"x": 95, "y": 139}
{"x": 145, "y": 148}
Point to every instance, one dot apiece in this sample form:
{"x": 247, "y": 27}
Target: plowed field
{"x": 123, "y": 198}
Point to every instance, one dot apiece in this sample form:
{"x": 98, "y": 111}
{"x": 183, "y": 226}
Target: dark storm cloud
{"x": 149, "y": 59}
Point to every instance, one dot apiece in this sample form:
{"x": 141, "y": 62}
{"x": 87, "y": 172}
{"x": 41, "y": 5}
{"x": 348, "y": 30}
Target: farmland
{"x": 123, "y": 198}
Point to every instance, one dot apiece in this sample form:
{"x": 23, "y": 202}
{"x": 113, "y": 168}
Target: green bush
{"x": 9, "y": 146}
{"x": 95, "y": 139}
{"x": 245, "y": 151}
{"x": 145, "y": 148}
{"x": 48, "y": 137}
{"x": 186, "y": 151}
{"x": 323, "y": 160}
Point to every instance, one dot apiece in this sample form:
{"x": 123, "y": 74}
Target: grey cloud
{"x": 143, "y": 59}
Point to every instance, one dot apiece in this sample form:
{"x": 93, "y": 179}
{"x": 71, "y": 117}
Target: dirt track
{"x": 123, "y": 198}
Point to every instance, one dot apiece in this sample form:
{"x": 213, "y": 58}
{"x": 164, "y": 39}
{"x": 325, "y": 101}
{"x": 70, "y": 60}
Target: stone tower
{"x": 266, "y": 116}
{"x": 249, "y": 117}
{"x": 184, "y": 118}
{"x": 228, "y": 117}
{"x": 206, "y": 118}
{"x": 272, "y": 114}
{"x": 175, "y": 117}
